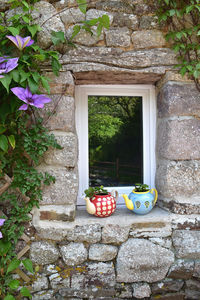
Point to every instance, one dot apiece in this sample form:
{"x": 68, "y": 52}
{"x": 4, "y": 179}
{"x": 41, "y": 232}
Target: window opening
{"x": 115, "y": 140}
{"x": 145, "y": 95}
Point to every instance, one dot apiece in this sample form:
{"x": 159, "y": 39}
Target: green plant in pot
{"x": 100, "y": 202}
{"x": 142, "y": 199}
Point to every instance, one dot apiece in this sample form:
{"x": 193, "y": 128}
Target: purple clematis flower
{"x": 1, "y": 223}
{"x": 30, "y": 99}
{"x": 20, "y": 42}
{"x": 7, "y": 65}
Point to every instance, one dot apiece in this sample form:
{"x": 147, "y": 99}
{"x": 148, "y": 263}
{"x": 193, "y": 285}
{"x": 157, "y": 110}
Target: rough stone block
{"x": 178, "y": 98}
{"x": 171, "y": 176}
{"x": 85, "y": 38}
{"x": 90, "y": 233}
{"x": 193, "y": 284}
{"x": 141, "y": 260}
{"x": 123, "y": 291}
{"x": 45, "y": 15}
{"x": 116, "y": 57}
{"x": 171, "y": 296}
{"x": 102, "y": 252}
{"x": 43, "y": 253}
{"x": 73, "y": 254}
{"x": 149, "y": 22}
{"x": 191, "y": 294}
{"x": 64, "y": 190}
{"x": 94, "y": 14}
{"x": 67, "y": 156}
{"x": 41, "y": 283}
{"x": 163, "y": 242}
{"x": 113, "y": 6}
{"x": 167, "y": 286}
{"x": 94, "y": 280}
{"x": 57, "y": 213}
{"x": 114, "y": 234}
{"x": 43, "y": 295}
{"x": 58, "y": 281}
{"x": 197, "y": 269}
{"x": 187, "y": 244}
{"x": 125, "y": 20}
{"x": 181, "y": 269}
{"x": 71, "y": 16}
{"x": 151, "y": 229}
{"x": 59, "y": 114}
{"x": 148, "y": 39}
{"x": 179, "y": 139}
{"x": 118, "y": 37}
{"x": 61, "y": 84}
{"x": 141, "y": 290}
{"x": 4, "y": 4}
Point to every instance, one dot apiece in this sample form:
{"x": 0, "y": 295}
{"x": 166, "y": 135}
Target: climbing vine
{"x": 183, "y": 20}
{"x": 23, "y": 137}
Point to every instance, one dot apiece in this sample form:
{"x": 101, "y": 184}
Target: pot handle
{"x": 156, "y": 195}
{"x": 115, "y": 194}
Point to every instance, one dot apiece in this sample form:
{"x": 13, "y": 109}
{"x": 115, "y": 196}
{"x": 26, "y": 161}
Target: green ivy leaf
{"x": 25, "y": 292}
{"x": 34, "y": 29}
{"x": 2, "y": 129}
{"x": 33, "y": 85}
{"x": 82, "y": 4}
{"x": 4, "y": 247}
{"x": 15, "y": 75}
{"x": 11, "y": 139}
{"x": 45, "y": 84}
{"x": 99, "y": 29}
{"x": 55, "y": 66}
{"x": 14, "y": 284}
{"x": 13, "y": 265}
{"x": 28, "y": 265}
{"x": 9, "y": 297}
{"x": 14, "y": 30}
{"x": 6, "y": 80}
{"x": 26, "y": 19}
{"x": 196, "y": 74}
{"x": 3, "y": 143}
{"x": 105, "y": 21}
{"x": 57, "y": 37}
{"x": 76, "y": 30}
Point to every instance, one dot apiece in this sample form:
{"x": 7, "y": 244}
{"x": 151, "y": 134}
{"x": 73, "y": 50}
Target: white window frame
{"x": 147, "y": 92}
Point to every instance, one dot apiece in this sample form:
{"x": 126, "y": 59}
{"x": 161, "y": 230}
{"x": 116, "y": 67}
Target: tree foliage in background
{"x": 183, "y": 19}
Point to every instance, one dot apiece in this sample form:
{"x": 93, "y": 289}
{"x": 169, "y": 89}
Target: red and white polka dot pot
{"x": 102, "y": 205}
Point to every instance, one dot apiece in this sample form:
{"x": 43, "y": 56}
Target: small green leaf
{"x": 105, "y": 21}
{"x": 57, "y": 37}
{"x": 11, "y": 139}
{"x": 25, "y": 292}
{"x": 33, "y": 85}
{"x": 76, "y": 30}
{"x": 14, "y": 284}
{"x": 9, "y": 297}
{"x": 15, "y": 75}
{"x": 26, "y": 19}
{"x": 45, "y": 84}
{"x": 82, "y": 4}
{"x": 28, "y": 265}
{"x": 13, "y": 265}
{"x": 196, "y": 74}
{"x": 172, "y": 12}
{"x": 55, "y": 66}
{"x": 34, "y": 29}
{"x": 183, "y": 71}
{"x": 3, "y": 143}
{"x": 2, "y": 129}
{"x": 25, "y": 4}
{"x": 6, "y": 80}
{"x": 13, "y": 30}
{"x": 4, "y": 247}
{"x": 99, "y": 29}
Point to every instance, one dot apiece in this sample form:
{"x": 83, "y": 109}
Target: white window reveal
{"x": 143, "y": 98}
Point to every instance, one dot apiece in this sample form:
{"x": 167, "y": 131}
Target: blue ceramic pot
{"x": 141, "y": 203}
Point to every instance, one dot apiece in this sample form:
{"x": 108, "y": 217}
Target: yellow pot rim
{"x": 133, "y": 191}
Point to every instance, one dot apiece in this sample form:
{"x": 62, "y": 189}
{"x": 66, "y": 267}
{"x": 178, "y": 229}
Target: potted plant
{"x": 142, "y": 199}
{"x": 100, "y": 202}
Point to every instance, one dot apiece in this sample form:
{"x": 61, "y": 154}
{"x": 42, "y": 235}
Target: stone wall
{"x": 155, "y": 256}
